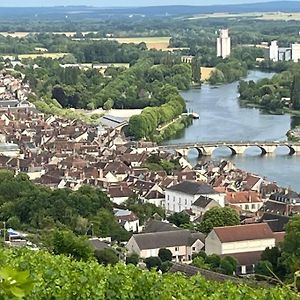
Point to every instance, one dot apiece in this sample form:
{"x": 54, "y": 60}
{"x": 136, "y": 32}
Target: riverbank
{"x": 172, "y": 129}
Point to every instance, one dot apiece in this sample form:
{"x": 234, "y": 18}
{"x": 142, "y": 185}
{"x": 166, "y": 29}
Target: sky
{"x": 110, "y": 3}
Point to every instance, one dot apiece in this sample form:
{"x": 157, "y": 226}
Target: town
{"x": 66, "y": 154}
{"x": 149, "y": 152}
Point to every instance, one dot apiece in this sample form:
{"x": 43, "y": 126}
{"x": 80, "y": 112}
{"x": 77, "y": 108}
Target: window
{"x": 185, "y": 201}
{"x": 194, "y": 248}
{"x": 253, "y": 206}
{"x": 246, "y": 206}
{"x": 174, "y": 198}
{"x": 168, "y": 197}
{"x": 176, "y": 248}
{"x": 179, "y": 200}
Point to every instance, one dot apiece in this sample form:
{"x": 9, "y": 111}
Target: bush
{"x": 165, "y": 254}
{"x": 153, "y": 262}
{"x": 106, "y": 256}
{"x": 132, "y": 259}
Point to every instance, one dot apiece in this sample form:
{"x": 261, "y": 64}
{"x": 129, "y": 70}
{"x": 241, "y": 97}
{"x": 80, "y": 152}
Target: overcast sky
{"x": 110, "y": 3}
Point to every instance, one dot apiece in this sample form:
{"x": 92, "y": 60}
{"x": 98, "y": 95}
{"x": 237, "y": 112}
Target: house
{"x": 127, "y": 219}
{"x": 203, "y": 204}
{"x": 119, "y": 193}
{"x": 181, "y": 196}
{"x": 252, "y": 183}
{"x": 246, "y": 200}
{"x": 159, "y": 226}
{"x": 182, "y": 244}
{"x": 155, "y": 197}
{"x": 277, "y": 223}
{"x": 243, "y": 242}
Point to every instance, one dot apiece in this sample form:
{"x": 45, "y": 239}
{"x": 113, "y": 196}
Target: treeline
{"x": 34, "y": 208}
{"x": 236, "y": 66}
{"x": 143, "y": 84}
{"x": 274, "y": 94}
{"x": 145, "y": 124}
{"x": 137, "y": 87}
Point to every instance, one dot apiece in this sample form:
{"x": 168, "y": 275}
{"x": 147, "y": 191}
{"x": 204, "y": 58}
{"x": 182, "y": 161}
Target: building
{"x": 223, "y": 44}
{"x": 273, "y": 51}
{"x": 243, "y": 242}
{"x": 182, "y": 196}
{"x": 296, "y": 52}
{"x": 246, "y": 200}
{"x": 284, "y": 53}
{"x": 127, "y": 219}
{"x": 182, "y": 244}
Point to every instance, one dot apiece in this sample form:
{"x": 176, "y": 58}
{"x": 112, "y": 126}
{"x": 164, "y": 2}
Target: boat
{"x": 195, "y": 115}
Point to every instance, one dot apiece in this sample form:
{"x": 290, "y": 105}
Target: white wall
{"x": 214, "y": 246}
{"x": 177, "y": 201}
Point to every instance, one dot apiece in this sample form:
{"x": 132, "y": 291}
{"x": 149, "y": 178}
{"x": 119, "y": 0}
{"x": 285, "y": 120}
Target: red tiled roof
{"x": 242, "y": 197}
{"x": 244, "y": 232}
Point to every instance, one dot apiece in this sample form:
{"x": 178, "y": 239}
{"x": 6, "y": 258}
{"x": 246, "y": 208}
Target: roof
{"x": 165, "y": 239}
{"x": 190, "y": 270}
{"x": 159, "y": 226}
{"x": 243, "y": 197}
{"x": 244, "y": 232}
{"x": 97, "y": 244}
{"x": 203, "y": 202}
{"x": 279, "y": 237}
{"x": 246, "y": 258}
{"x": 193, "y": 188}
{"x": 276, "y": 222}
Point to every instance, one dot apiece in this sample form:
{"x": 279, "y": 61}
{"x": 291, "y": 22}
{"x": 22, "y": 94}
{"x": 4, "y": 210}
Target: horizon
{"x": 129, "y": 3}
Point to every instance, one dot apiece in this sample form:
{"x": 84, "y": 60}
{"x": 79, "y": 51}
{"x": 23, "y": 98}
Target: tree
{"x": 66, "y": 242}
{"x": 263, "y": 269}
{"x": 153, "y": 262}
{"x": 291, "y": 245}
{"x": 200, "y": 262}
{"x": 132, "y": 259}
{"x": 179, "y": 219}
{"x": 165, "y": 254}
{"x": 213, "y": 260}
{"x": 106, "y": 256}
{"x": 196, "y": 69}
{"x": 228, "y": 265}
{"x": 218, "y": 216}
{"x": 108, "y": 104}
{"x": 295, "y": 92}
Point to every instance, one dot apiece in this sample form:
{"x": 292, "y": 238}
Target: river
{"x": 223, "y": 119}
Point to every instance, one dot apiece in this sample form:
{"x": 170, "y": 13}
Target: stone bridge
{"x": 207, "y": 149}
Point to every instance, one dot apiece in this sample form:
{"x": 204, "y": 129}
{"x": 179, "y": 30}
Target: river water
{"x": 223, "y": 119}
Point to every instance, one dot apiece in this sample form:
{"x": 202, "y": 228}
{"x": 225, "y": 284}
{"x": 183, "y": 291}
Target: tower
{"x": 273, "y": 51}
{"x": 223, "y": 44}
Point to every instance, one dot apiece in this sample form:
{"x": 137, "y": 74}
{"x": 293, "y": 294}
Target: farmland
{"x": 159, "y": 43}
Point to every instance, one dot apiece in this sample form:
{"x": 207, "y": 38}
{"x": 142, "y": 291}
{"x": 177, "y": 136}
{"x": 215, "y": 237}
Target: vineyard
{"x": 60, "y": 277}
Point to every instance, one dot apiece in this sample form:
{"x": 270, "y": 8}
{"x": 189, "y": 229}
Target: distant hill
{"x": 173, "y": 10}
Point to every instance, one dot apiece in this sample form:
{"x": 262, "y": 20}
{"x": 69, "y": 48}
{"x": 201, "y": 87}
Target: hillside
{"x": 76, "y": 12}
{"x": 58, "y": 277}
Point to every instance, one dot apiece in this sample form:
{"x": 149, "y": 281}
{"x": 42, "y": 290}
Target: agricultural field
{"x": 25, "y": 33}
{"x": 35, "y": 55}
{"x": 159, "y": 43}
{"x": 269, "y": 16}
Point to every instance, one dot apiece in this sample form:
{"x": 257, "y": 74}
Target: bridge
{"x": 207, "y": 149}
